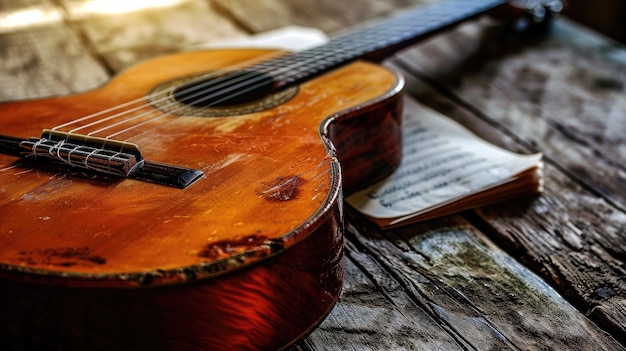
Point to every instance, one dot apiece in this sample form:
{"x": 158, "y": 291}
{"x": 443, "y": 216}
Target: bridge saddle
{"x": 101, "y": 156}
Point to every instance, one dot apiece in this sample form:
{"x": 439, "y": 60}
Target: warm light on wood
{"x": 107, "y": 7}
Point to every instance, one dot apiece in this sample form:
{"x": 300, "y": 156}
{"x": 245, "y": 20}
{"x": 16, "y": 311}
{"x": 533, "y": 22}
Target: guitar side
{"x": 254, "y": 247}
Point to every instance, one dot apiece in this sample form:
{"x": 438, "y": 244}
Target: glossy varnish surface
{"x": 268, "y": 177}
{"x": 262, "y": 307}
{"x": 255, "y": 246}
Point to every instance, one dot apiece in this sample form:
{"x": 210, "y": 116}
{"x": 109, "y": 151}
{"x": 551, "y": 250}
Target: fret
{"x": 383, "y": 38}
{"x": 394, "y": 33}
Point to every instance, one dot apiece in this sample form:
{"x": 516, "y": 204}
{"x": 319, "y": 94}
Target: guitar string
{"x": 165, "y": 98}
{"x": 248, "y": 85}
{"x": 162, "y": 115}
{"x": 202, "y": 97}
{"x": 238, "y": 86}
{"x": 140, "y": 115}
{"x": 242, "y": 85}
{"x": 165, "y": 94}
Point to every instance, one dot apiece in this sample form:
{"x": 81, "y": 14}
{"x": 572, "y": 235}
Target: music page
{"x": 442, "y": 162}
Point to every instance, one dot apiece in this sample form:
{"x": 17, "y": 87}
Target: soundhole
{"x": 219, "y": 94}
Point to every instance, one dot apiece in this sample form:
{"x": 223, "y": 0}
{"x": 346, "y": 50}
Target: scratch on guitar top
{"x": 229, "y": 160}
{"x": 10, "y": 167}
{"x": 282, "y": 188}
{"x": 14, "y": 166}
{"x": 54, "y": 184}
{"x": 64, "y": 257}
{"x": 228, "y": 125}
{"x": 24, "y": 172}
{"x": 104, "y": 234}
{"x": 324, "y": 166}
{"x": 223, "y": 248}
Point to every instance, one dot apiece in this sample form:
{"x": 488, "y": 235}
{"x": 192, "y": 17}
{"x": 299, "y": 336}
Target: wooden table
{"x": 546, "y": 272}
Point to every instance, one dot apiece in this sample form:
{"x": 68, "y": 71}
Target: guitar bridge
{"x": 91, "y": 154}
{"x": 104, "y": 157}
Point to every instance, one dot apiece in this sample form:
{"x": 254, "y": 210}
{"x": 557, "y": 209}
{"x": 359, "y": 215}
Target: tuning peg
{"x": 538, "y": 15}
{"x": 540, "y": 10}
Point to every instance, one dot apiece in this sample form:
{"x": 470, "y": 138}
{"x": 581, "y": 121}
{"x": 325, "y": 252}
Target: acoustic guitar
{"x": 195, "y": 201}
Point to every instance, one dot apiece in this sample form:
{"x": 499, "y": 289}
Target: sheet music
{"x": 442, "y": 161}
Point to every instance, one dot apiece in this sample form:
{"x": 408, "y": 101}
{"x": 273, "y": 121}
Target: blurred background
{"x": 606, "y": 16}
{"x": 54, "y": 42}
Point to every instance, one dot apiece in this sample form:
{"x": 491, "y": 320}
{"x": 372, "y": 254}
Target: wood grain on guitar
{"x": 270, "y": 196}
{"x": 249, "y": 256}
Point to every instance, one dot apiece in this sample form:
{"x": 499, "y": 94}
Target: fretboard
{"x": 386, "y": 37}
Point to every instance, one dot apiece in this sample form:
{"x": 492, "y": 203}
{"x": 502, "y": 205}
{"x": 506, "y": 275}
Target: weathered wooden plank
{"x": 375, "y": 313}
{"x": 125, "y": 38}
{"x": 514, "y": 301}
{"x": 447, "y": 271}
{"x": 11, "y": 5}
{"x": 561, "y": 98}
{"x": 327, "y": 15}
{"x": 562, "y": 236}
{"x": 42, "y": 56}
{"x": 565, "y": 100}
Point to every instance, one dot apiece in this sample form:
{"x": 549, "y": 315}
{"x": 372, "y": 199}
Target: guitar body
{"x": 249, "y": 256}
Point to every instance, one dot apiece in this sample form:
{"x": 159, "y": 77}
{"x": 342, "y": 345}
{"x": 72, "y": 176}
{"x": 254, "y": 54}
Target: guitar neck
{"x": 377, "y": 41}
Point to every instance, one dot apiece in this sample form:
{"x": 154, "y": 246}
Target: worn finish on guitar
{"x": 270, "y": 195}
{"x": 266, "y": 174}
